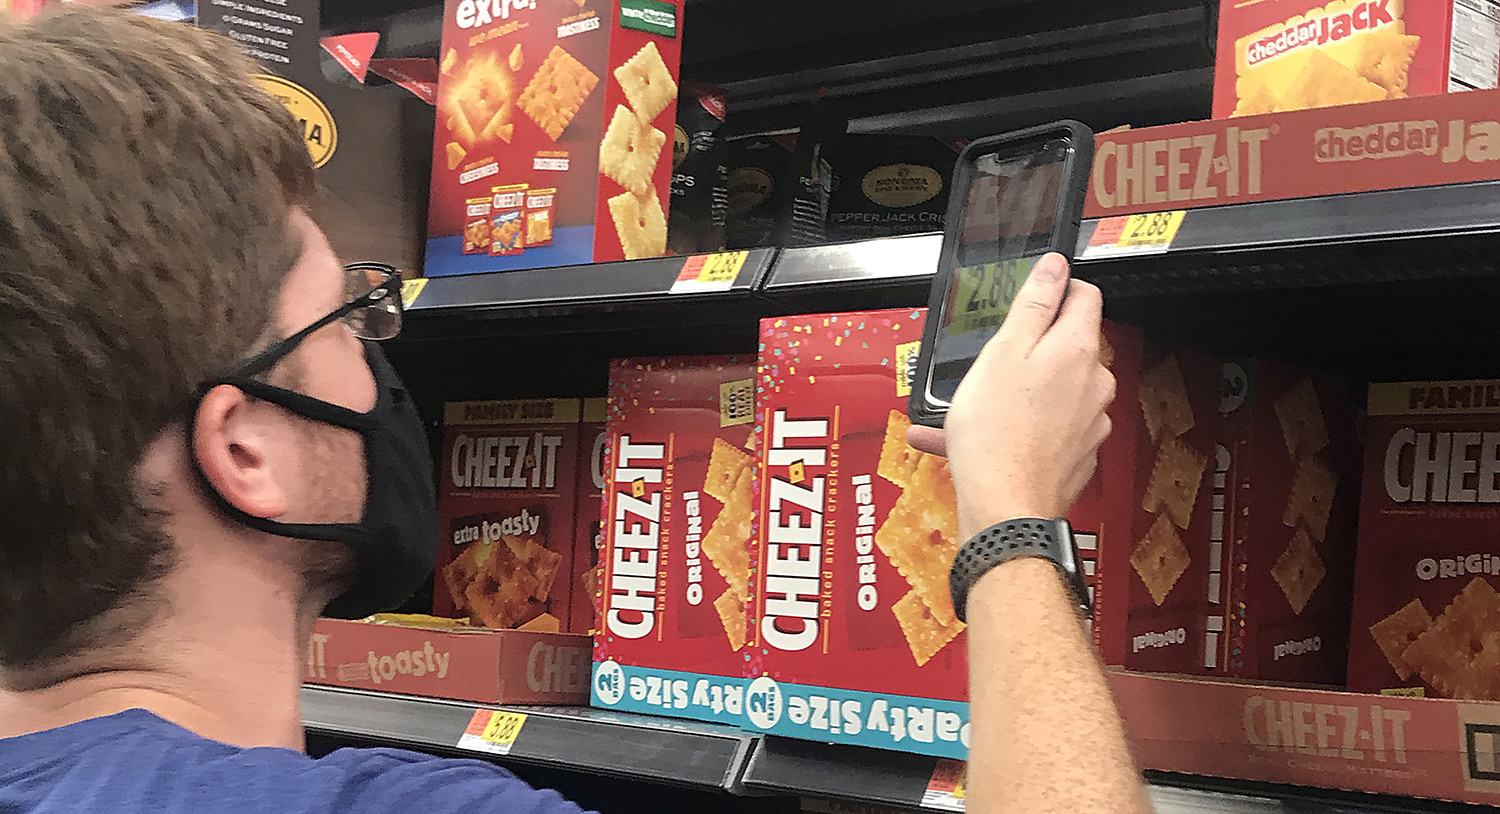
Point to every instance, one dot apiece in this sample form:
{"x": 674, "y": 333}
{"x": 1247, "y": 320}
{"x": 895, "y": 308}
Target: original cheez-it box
{"x": 556, "y": 112}
{"x": 506, "y": 512}
{"x": 679, "y": 492}
{"x": 587, "y": 540}
{"x": 857, "y": 640}
{"x": 1279, "y": 55}
{"x": 1426, "y": 605}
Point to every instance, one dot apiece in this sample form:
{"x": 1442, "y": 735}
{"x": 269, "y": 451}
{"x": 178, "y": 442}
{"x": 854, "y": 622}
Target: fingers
{"x": 927, "y": 439}
{"x": 1083, "y": 310}
{"x": 1037, "y": 303}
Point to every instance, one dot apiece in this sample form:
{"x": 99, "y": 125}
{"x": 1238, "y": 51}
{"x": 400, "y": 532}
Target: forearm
{"x": 1045, "y": 736}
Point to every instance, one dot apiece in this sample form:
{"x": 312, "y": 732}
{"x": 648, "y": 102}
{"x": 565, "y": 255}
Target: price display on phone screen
{"x": 1008, "y": 218}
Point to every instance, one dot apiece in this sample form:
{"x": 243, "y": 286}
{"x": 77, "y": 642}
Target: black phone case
{"x": 1064, "y": 238}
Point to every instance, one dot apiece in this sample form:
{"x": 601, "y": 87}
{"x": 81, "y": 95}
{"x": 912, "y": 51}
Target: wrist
{"x": 980, "y": 515}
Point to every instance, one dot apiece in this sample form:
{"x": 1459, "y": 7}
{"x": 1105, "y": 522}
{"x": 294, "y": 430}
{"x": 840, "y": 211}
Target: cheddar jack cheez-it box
{"x": 1279, "y": 55}
{"x": 562, "y": 106}
{"x": 1427, "y": 574}
{"x": 678, "y": 518}
{"x": 506, "y": 512}
{"x": 857, "y": 640}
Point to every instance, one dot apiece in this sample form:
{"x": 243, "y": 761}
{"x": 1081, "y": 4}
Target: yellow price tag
{"x": 985, "y": 294}
{"x": 723, "y": 267}
{"x": 492, "y": 730}
{"x": 411, "y": 289}
{"x": 1154, "y": 229}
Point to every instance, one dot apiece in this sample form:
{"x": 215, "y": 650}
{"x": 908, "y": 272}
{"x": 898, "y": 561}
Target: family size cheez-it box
{"x": 506, "y": 512}
{"x": 1427, "y": 575}
{"x": 1279, "y": 55}
{"x": 857, "y": 640}
{"x": 678, "y": 524}
{"x": 557, "y": 112}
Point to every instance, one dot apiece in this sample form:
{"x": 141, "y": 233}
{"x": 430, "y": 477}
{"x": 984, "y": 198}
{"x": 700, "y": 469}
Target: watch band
{"x": 1013, "y": 539}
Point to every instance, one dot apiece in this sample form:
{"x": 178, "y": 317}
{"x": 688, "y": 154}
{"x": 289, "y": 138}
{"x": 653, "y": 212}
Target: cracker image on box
{"x": 647, "y": 83}
{"x": 630, "y": 151}
{"x": 1396, "y": 632}
{"x": 1175, "y": 481}
{"x": 1459, "y": 654}
{"x": 1164, "y": 399}
{"x": 641, "y": 224}
{"x": 556, "y": 91}
{"x": 1299, "y": 570}
{"x": 1160, "y": 558}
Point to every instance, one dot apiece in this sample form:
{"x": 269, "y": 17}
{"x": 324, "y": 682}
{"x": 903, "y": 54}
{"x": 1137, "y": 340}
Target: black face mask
{"x": 395, "y": 544}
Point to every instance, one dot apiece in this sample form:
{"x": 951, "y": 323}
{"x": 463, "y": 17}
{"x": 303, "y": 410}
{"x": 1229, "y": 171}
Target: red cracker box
{"x": 1279, "y": 55}
{"x": 677, "y": 537}
{"x": 467, "y": 664}
{"x": 1176, "y": 616}
{"x": 593, "y": 440}
{"x": 506, "y": 511}
{"x": 1426, "y": 607}
{"x": 857, "y": 640}
{"x": 1289, "y": 523}
{"x": 575, "y": 97}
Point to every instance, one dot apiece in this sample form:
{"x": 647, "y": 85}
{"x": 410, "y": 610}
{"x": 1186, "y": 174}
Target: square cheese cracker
{"x": 556, "y": 91}
{"x": 647, "y": 83}
{"x": 1324, "y": 81}
{"x": 1301, "y": 417}
{"x": 925, "y": 633}
{"x": 1310, "y": 502}
{"x": 1176, "y": 479}
{"x": 920, "y": 535}
{"x": 630, "y": 150}
{"x": 898, "y": 459}
{"x": 1396, "y": 632}
{"x": 731, "y": 610}
{"x": 727, "y": 543}
{"x": 1459, "y": 655}
{"x": 640, "y": 223}
{"x": 725, "y": 464}
{"x": 1385, "y": 56}
{"x": 1164, "y": 399}
{"x": 1299, "y": 570}
{"x": 1160, "y": 559}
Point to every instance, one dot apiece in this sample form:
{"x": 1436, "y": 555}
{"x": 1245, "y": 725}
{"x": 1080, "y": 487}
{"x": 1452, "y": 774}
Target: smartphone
{"x": 1015, "y": 198}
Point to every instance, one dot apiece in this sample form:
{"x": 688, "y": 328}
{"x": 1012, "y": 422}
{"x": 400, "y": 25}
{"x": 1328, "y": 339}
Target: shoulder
{"x": 377, "y": 780}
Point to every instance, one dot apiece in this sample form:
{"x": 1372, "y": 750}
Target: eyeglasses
{"x": 372, "y": 311}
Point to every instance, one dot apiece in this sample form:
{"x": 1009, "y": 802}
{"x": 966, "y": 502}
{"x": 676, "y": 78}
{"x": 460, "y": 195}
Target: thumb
{"x": 1036, "y": 304}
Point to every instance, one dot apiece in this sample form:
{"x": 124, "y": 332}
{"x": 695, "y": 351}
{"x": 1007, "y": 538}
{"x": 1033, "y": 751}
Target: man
{"x": 203, "y": 455}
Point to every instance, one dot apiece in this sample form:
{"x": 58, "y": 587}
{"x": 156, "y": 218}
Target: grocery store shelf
{"x": 886, "y": 261}
{"x": 598, "y": 286}
{"x": 636, "y": 747}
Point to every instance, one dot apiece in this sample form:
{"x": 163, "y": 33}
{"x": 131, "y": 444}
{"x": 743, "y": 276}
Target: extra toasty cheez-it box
{"x": 1426, "y": 604}
{"x": 679, "y": 493}
{"x": 551, "y": 137}
{"x": 506, "y": 512}
{"x": 857, "y": 640}
{"x": 1279, "y": 55}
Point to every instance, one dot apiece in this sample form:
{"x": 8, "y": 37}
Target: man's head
{"x": 151, "y": 202}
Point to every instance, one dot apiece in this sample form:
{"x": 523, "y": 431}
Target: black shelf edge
{"x": 635, "y": 747}
{"x": 1450, "y": 210}
{"x": 579, "y": 287}
{"x": 882, "y": 261}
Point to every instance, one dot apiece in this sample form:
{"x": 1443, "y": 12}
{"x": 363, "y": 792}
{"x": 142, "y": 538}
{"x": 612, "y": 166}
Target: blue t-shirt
{"x": 137, "y": 762}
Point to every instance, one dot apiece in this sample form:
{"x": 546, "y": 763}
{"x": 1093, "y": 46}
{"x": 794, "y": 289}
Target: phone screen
{"x": 1006, "y": 224}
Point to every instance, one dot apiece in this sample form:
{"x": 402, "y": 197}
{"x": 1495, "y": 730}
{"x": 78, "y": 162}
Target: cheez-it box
{"x": 593, "y": 440}
{"x": 506, "y": 512}
{"x": 1426, "y": 605}
{"x": 1279, "y": 55}
{"x": 551, "y": 139}
{"x": 1289, "y": 526}
{"x": 679, "y": 492}
{"x": 857, "y": 640}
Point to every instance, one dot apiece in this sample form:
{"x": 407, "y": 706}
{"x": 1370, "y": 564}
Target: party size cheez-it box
{"x": 1279, "y": 55}
{"x": 857, "y": 641}
{"x": 679, "y": 492}
{"x": 506, "y": 512}
{"x": 1427, "y": 573}
{"x": 552, "y": 123}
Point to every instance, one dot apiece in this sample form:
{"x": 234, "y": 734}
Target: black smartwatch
{"x": 1013, "y": 539}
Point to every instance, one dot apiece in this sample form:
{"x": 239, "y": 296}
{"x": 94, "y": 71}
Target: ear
{"x": 232, "y": 443}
